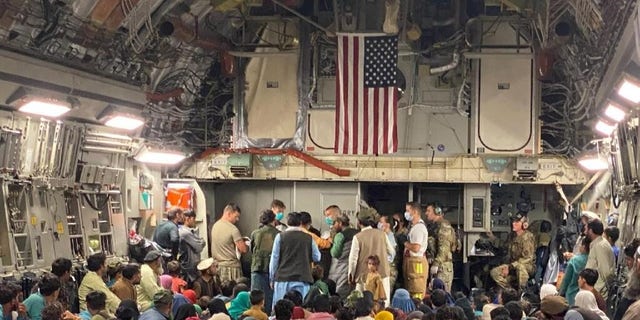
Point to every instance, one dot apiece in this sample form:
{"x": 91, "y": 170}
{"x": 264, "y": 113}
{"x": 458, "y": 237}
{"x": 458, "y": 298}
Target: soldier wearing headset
{"x": 521, "y": 256}
{"x": 445, "y": 245}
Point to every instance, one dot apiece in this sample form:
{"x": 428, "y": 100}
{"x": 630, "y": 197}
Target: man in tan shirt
{"x": 225, "y": 239}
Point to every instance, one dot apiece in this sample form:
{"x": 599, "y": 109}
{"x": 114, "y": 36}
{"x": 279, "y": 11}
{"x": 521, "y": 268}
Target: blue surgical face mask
{"x": 279, "y": 216}
{"x": 328, "y": 221}
{"x": 407, "y": 215}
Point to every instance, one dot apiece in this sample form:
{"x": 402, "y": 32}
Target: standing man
{"x": 521, "y": 255}
{"x": 416, "y": 267}
{"x": 191, "y": 246}
{"x": 331, "y": 213}
{"x": 340, "y": 253}
{"x": 225, "y": 239}
{"x": 290, "y": 264}
{"x": 261, "y": 247}
{"x": 166, "y": 234}
{"x": 278, "y": 208}
{"x": 368, "y": 242}
{"x": 600, "y": 256}
{"x": 442, "y": 266}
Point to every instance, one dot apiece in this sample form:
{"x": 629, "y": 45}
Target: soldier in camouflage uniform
{"x": 521, "y": 255}
{"x": 445, "y": 244}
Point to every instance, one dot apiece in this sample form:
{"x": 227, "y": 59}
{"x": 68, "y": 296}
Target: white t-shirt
{"x": 419, "y": 234}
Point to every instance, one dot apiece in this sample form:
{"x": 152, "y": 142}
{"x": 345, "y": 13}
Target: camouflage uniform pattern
{"x": 446, "y": 245}
{"x": 522, "y": 257}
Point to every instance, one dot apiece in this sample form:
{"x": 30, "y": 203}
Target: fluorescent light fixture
{"x": 45, "y": 107}
{"x": 629, "y": 85}
{"x": 156, "y": 156}
{"x": 605, "y": 128}
{"x": 124, "y": 122}
{"x": 593, "y": 163}
{"x": 615, "y": 111}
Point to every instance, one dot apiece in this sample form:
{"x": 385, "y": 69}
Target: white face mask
{"x": 380, "y": 226}
{"x": 407, "y": 215}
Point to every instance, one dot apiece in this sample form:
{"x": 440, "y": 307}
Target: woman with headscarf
{"x": 587, "y": 306}
{"x": 185, "y": 311}
{"x": 402, "y": 301}
{"x": 384, "y": 315}
{"x": 127, "y": 310}
{"x": 239, "y": 304}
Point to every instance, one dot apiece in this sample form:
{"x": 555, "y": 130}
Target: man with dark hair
{"x": 9, "y": 302}
{"x": 366, "y": 243}
{"x": 611, "y": 234}
{"x": 290, "y": 263}
{"x": 450, "y": 313}
{"x": 96, "y": 302}
{"x": 305, "y": 223}
{"x": 438, "y": 298}
{"x": 166, "y": 234}
{"x": 515, "y": 310}
{"x": 68, "y": 294}
{"x": 225, "y": 240}
{"x": 125, "y": 287}
{"x": 600, "y": 256}
{"x": 507, "y": 295}
{"x": 191, "y": 246}
{"x": 48, "y": 289}
{"x": 586, "y": 281}
{"x": 501, "y": 311}
{"x": 340, "y": 253}
{"x": 283, "y": 309}
{"x": 226, "y": 290}
{"x": 256, "y": 297}
{"x": 278, "y": 208}
{"x": 261, "y": 247}
{"x": 92, "y": 281}
{"x": 321, "y": 307}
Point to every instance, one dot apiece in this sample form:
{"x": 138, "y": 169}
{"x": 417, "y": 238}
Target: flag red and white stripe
{"x": 366, "y": 94}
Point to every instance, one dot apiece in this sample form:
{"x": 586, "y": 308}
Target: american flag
{"x": 366, "y": 102}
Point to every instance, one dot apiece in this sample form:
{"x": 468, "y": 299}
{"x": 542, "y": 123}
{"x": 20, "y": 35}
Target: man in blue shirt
{"x": 9, "y": 302}
{"x": 166, "y": 234}
{"x": 48, "y": 290}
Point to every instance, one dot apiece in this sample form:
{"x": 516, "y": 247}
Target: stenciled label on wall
{"x": 496, "y": 164}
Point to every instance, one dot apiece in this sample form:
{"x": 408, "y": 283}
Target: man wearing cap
{"x": 191, "y": 246}
{"x": 278, "y": 208}
{"x": 166, "y": 234}
{"x": 225, "y": 239}
{"x": 368, "y": 242}
{"x": 521, "y": 255}
{"x": 442, "y": 266}
{"x": 92, "y": 281}
{"x": 208, "y": 283}
{"x": 600, "y": 256}
{"x": 416, "y": 266}
{"x": 261, "y": 247}
{"x": 162, "y": 303}
{"x": 150, "y": 272}
{"x": 291, "y": 258}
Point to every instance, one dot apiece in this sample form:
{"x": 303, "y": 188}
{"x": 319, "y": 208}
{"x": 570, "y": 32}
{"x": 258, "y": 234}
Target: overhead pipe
{"x": 454, "y": 63}
{"x": 290, "y": 152}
